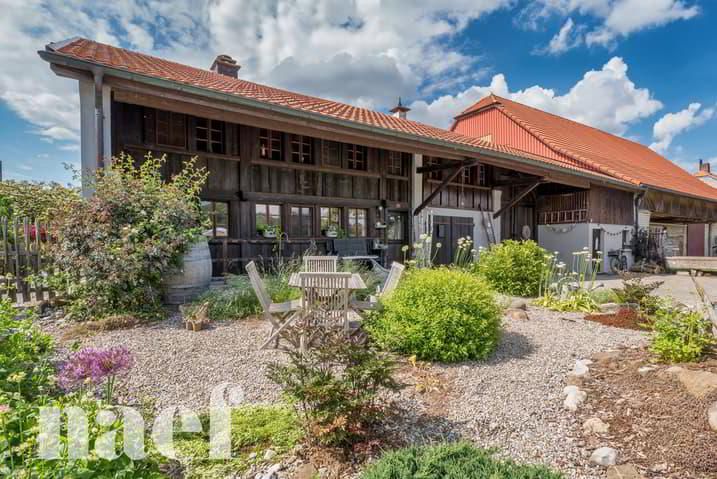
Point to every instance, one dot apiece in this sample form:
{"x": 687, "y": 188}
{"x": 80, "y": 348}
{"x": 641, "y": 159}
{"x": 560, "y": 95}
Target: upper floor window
{"x": 474, "y": 175}
{"x": 395, "y": 163}
{"x": 209, "y": 135}
{"x": 331, "y": 153}
{"x": 171, "y": 129}
{"x": 355, "y": 157}
{"x": 218, "y": 213}
{"x": 270, "y": 145}
{"x": 357, "y": 225}
{"x": 301, "y": 149}
{"x": 436, "y": 174}
{"x": 301, "y": 221}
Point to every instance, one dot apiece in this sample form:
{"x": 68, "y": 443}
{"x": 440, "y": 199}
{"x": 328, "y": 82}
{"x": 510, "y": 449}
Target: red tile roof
{"x": 609, "y": 154}
{"x": 150, "y": 66}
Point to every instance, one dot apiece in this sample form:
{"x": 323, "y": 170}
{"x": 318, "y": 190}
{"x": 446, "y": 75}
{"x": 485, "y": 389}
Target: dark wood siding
{"x": 241, "y": 177}
{"x": 611, "y": 207}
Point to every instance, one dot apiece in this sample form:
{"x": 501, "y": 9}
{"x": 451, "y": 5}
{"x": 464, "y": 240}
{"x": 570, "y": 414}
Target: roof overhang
{"x": 71, "y": 67}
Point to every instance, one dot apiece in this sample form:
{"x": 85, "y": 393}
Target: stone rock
{"x": 609, "y": 307}
{"x": 271, "y": 473}
{"x": 581, "y": 368}
{"x": 517, "y": 314}
{"x": 519, "y": 303}
{"x": 269, "y": 454}
{"x": 606, "y": 357}
{"x": 306, "y": 471}
{"x": 645, "y": 370}
{"x": 604, "y": 456}
{"x": 698, "y": 383}
{"x": 574, "y": 397}
{"x": 662, "y": 467}
{"x": 624, "y": 471}
{"x": 673, "y": 370}
{"x": 595, "y": 425}
{"x": 252, "y": 456}
{"x": 712, "y": 416}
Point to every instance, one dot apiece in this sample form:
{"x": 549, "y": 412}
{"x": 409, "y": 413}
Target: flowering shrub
{"x": 439, "y": 314}
{"x": 94, "y": 366}
{"x": 513, "y": 267}
{"x": 570, "y": 290}
{"x": 424, "y": 252}
{"x": 680, "y": 335}
{"x": 114, "y": 247}
{"x": 33, "y": 200}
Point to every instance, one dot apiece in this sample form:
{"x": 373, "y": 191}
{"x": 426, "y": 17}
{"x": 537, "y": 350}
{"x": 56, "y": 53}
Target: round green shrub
{"x": 439, "y": 314}
{"x": 513, "y": 267}
{"x": 451, "y": 461}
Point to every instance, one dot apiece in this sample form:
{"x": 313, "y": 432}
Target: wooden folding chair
{"x": 320, "y": 264}
{"x": 275, "y": 313}
{"x": 394, "y": 275}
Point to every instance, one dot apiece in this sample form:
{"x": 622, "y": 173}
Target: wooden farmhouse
{"x": 312, "y": 169}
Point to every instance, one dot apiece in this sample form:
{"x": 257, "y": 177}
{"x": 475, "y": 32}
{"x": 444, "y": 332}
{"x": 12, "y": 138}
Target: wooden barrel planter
{"x": 184, "y": 284}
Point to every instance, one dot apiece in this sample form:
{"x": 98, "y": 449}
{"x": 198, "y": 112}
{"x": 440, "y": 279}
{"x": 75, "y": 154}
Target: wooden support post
{"x": 438, "y": 189}
{"x": 517, "y": 199}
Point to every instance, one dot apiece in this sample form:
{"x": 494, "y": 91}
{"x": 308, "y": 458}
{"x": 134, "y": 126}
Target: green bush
{"x": 680, "y": 336}
{"x": 254, "y": 429}
{"x": 513, "y": 267}
{"x": 439, "y": 314}
{"x": 578, "y": 301}
{"x": 451, "y": 461}
{"x": 35, "y": 200}
{"x": 335, "y": 386}
{"x": 115, "y": 247}
{"x": 635, "y": 291}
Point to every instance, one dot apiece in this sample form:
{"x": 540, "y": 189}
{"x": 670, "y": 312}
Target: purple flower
{"x": 94, "y": 366}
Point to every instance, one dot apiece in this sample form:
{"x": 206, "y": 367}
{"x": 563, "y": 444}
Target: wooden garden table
{"x": 355, "y": 282}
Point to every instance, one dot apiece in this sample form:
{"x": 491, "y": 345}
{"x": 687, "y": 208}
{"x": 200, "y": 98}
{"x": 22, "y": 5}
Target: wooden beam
{"x": 445, "y": 165}
{"x": 438, "y": 189}
{"x": 517, "y": 199}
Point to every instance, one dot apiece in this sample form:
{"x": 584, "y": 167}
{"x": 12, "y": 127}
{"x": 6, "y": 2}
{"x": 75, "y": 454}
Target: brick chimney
{"x": 399, "y": 111}
{"x": 705, "y": 166}
{"x": 226, "y": 65}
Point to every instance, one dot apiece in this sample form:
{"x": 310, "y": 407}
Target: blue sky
{"x": 644, "y": 69}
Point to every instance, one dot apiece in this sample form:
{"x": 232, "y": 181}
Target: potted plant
{"x": 195, "y": 318}
{"x": 267, "y": 231}
{"x": 332, "y": 231}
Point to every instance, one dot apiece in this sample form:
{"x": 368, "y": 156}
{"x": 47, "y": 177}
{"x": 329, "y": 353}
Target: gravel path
{"x": 512, "y": 402}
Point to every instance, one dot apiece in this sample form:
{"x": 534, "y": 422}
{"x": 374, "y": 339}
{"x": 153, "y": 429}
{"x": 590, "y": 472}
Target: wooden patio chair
{"x": 275, "y": 313}
{"x": 320, "y": 264}
{"x": 394, "y": 275}
{"x": 324, "y": 303}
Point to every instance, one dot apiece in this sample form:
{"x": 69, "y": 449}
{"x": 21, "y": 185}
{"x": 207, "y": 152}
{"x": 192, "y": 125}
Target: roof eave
{"x": 52, "y": 56}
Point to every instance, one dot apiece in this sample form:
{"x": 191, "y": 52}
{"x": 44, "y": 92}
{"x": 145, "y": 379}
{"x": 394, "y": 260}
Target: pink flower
{"x": 4, "y": 408}
{"x": 94, "y": 365}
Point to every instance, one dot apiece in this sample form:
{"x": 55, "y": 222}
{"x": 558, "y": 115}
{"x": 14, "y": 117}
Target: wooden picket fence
{"x": 23, "y": 260}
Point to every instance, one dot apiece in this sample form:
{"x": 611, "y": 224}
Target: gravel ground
{"x": 512, "y": 402}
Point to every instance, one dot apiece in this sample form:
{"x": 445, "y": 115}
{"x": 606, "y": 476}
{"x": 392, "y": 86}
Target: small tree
{"x": 113, "y": 248}
{"x": 335, "y": 387}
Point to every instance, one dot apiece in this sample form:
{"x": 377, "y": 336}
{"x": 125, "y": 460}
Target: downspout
{"x": 638, "y": 202}
{"x": 99, "y": 118}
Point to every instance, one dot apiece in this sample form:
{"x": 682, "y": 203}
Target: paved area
{"x": 677, "y": 286}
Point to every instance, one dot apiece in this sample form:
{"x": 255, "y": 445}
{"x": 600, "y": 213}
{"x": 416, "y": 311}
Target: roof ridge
{"x": 303, "y": 96}
{"x": 535, "y": 131}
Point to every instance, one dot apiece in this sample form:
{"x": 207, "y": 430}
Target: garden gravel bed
{"x": 512, "y": 402}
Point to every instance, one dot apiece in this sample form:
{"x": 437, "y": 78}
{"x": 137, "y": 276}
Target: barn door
{"x": 447, "y": 230}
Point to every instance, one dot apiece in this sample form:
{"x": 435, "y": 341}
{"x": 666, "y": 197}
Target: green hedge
{"x": 513, "y": 267}
{"x": 451, "y": 461}
{"x": 439, "y": 314}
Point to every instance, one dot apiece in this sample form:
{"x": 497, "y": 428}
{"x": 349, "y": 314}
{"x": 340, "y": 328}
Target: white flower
{"x": 438, "y": 245}
{"x": 468, "y": 238}
{"x": 417, "y": 245}
{"x": 423, "y": 236}
{"x": 404, "y": 248}
{"x": 428, "y": 239}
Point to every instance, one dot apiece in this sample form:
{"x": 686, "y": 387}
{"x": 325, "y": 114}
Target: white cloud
{"x": 606, "y": 99}
{"x": 672, "y": 124}
{"x": 364, "y": 52}
{"x": 567, "y": 38}
{"x": 616, "y": 18}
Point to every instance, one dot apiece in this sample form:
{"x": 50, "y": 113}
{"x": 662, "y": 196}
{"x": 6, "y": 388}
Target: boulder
{"x": 712, "y": 416}
{"x": 269, "y": 454}
{"x": 517, "y": 314}
{"x": 306, "y": 471}
{"x": 698, "y": 383}
{"x": 595, "y": 425}
{"x": 624, "y": 471}
{"x": 604, "y": 456}
{"x": 574, "y": 397}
